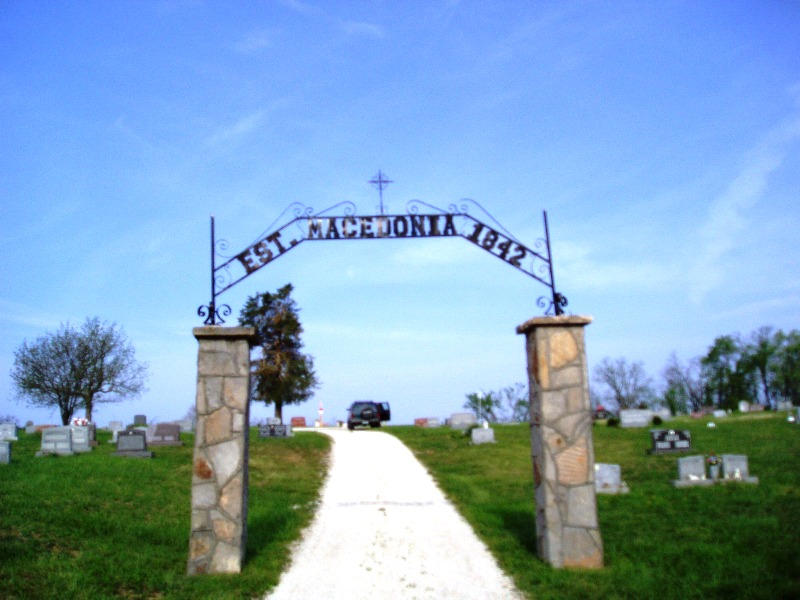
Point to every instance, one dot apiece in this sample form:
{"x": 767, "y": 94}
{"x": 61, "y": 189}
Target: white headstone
{"x": 692, "y": 471}
{"x": 8, "y": 432}
{"x": 5, "y": 452}
{"x": 483, "y": 435}
{"x": 608, "y": 479}
{"x": 462, "y": 421}
{"x": 735, "y": 468}
{"x": 635, "y": 417}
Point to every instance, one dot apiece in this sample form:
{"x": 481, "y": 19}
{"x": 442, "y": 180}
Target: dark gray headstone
{"x": 56, "y": 440}
{"x": 139, "y": 420}
{"x": 272, "y": 431}
{"x": 166, "y": 434}
{"x": 5, "y": 452}
{"x": 670, "y": 440}
{"x": 132, "y": 443}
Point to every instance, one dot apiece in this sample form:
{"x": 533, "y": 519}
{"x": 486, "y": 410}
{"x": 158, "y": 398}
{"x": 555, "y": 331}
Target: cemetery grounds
{"x": 98, "y": 526}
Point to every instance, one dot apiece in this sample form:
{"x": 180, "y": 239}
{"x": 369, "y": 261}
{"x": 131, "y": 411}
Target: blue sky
{"x": 662, "y": 138}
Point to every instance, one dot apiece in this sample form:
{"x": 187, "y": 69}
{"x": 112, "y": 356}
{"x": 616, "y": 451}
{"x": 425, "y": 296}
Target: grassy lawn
{"x": 99, "y": 526}
{"x": 734, "y": 541}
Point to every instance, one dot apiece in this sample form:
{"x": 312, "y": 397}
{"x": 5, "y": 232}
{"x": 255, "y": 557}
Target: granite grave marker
{"x": 670, "y": 440}
{"x": 132, "y": 444}
{"x": 166, "y": 434}
{"x": 56, "y": 440}
{"x": 692, "y": 471}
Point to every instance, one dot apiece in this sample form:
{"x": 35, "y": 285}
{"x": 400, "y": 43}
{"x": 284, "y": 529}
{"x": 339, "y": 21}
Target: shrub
{"x": 613, "y": 422}
{"x": 657, "y": 420}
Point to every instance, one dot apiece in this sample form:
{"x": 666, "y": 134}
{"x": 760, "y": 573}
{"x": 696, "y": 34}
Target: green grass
{"x": 734, "y": 541}
{"x": 99, "y": 526}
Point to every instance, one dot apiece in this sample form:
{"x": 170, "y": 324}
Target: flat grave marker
{"x": 56, "y": 440}
{"x": 132, "y": 443}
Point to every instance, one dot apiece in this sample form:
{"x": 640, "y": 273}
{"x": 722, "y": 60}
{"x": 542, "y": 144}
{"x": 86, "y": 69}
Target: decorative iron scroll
{"x": 304, "y": 224}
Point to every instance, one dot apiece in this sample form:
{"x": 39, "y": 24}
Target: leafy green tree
{"x": 759, "y": 356}
{"x": 730, "y": 377}
{"x": 627, "y": 384}
{"x": 515, "y": 403}
{"x": 78, "y": 368}
{"x": 484, "y": 405}
{"x": 281, "y": 373}
{"x": 786, "y": 369}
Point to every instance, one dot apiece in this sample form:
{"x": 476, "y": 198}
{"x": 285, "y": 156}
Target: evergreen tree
{"x": 281, "y": 373}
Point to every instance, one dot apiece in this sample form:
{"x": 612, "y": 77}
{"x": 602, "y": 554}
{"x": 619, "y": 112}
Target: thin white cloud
{"x": 239, "y": 129}
{"x": 256, "y": 41}
{"x": 727, "y": 215}
{"x": 363, "y": 29}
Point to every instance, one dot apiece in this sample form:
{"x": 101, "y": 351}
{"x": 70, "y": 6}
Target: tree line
{"x": 761, "y": 368}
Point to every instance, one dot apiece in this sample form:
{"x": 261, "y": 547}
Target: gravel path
{"x": 384, "y": 530}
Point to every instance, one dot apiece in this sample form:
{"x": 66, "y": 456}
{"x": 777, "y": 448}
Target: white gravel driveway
{"x": 384, "y": 530}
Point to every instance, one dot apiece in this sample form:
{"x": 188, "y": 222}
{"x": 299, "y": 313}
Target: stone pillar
{"x": 219, "y": 469}
{"x": 567, "y": 531}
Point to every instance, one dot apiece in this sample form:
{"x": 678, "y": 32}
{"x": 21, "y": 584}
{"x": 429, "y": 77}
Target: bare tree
{"x": 74, "y": 368}
{"x": 628, "y": 385}
{"x": 685, "y": 387}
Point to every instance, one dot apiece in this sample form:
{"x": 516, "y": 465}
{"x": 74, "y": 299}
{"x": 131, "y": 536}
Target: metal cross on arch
{"x": 299, "y": 223}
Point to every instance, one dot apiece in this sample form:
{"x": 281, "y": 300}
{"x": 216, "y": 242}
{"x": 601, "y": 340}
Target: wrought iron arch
{"x": 299, "y": 223}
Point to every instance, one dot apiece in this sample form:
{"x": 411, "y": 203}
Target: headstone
{"x": 186, "y": 425}
{"x": 150, "y": 432}
{"x": 81, "y": 441}
{"x": 608, "y": 479}
{"x": 664, "y": 413}
{"x": 298, "y": 421}
{"x": 719, "y": 414}
{"x": 670, "y": 440}
{"x": 433, "y": 422}
{"x": 421, "y": 422}
{"x": 482, "y": 435}
{"x": 5, "y": 452}
{"x": 132, "y": 443}
{"x": 744, "y": 406}
{"x": 274, "y": 421}
{"x": 784, "y": 405}
{"x": 56, "y": 440}
{"x": 167, "y": 434}
{"x": 274, "y": 431}
{"x": 692, "y": 471}
{"x": 735, "y": 469}
{"x": 462, "y": 421}
{"x": 139, "y": 420}
{"x": 115, "y": 427}
{"x": 30, "y": 428}
{"x": 8, "y": 432}
{"x": 635, "y": 417}
{"x": 756, "y": 408}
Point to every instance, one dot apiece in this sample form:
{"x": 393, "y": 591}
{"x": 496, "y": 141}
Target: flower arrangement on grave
{"x": 712, "y": 460}
{"x": 80, "y": 421}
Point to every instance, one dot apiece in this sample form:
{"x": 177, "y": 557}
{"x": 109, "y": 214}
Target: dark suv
{"x": 365, "y": 412}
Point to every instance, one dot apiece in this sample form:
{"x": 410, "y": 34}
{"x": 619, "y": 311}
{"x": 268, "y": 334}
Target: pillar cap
{"x": 216, "y": 331}
{"x": 559, "y": 321}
